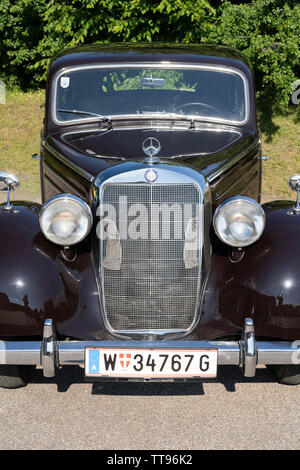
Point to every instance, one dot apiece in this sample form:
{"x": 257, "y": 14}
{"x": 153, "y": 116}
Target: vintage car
{"x": 151, "y": 257}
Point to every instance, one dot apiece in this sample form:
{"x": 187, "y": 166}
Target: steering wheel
{"x": 215, "y": 110}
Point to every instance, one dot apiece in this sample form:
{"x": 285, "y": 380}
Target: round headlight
{"x": 65, "y": 219}
{"x": 239, "y": 221}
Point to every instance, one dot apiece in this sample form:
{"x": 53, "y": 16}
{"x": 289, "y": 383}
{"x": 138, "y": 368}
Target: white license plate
{"x": 150, "y": 363}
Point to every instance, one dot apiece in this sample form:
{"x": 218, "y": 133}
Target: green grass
{"x": 21, "y": 122}
{"x": 284, "y": 153}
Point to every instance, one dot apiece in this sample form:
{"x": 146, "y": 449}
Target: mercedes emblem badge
{"x": 151, "y": 146}
{"x": 151, "y": 175}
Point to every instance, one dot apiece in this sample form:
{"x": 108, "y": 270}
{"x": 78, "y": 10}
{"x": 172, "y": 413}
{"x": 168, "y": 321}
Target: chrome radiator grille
{"x": 150, "y": 281}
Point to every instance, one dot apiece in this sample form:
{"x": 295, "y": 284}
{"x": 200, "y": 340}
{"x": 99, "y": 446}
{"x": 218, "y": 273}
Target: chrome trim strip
{"x": 162, "y": 65}
{"x": 20, "y": 352}
{"x": 149, "y": 127}
{"x": 69, "y": 163}
{"x": 276, "y": 352}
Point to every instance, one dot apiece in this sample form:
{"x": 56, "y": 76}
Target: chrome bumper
{"x": 50, "y": 353}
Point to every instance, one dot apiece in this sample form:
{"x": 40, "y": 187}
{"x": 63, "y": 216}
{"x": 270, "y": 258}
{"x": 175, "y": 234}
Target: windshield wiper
{"x": 87, "y": 113}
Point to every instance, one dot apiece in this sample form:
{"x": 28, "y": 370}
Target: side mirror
{"x": 8, "y": 182}
{"x": 294, "y": 184}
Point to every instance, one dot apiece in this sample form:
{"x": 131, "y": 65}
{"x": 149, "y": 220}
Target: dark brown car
{"x": 151, "y": 257}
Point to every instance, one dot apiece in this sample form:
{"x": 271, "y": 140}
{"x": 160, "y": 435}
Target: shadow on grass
{"x": 266, "y": 123}
{"x": 228, "y": 376}
{"x": 297, "y": 116}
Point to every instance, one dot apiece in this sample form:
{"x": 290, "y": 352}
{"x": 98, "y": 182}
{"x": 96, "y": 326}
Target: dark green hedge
{"x": 267, "y": 31}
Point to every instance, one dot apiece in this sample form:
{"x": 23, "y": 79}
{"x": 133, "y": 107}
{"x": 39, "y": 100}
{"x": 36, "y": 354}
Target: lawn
{"x": 284, "y": 152}
{"x": 21, "y": 122}
{"x": 20, "y": 128}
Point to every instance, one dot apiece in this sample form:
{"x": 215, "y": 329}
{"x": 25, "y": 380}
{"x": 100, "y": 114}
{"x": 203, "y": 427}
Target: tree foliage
{"x": 76, "y": 22}
{"x": 267, "y": 31}
{"x": 21, "y": 30}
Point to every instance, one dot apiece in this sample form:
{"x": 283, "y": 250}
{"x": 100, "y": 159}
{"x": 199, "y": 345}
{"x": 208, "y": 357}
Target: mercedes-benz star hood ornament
{"x": 151, "y": 147}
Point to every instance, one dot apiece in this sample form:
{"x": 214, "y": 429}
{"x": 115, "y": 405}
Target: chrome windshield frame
{"x": 159, "y": 65}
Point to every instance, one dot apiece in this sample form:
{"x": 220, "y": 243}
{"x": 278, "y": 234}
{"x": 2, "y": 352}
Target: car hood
{"x": 128, "y": 143}
{"x": 208, "y": 149}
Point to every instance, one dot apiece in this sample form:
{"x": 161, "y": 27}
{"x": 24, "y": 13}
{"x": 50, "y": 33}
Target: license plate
{"x": 150, "y": 363}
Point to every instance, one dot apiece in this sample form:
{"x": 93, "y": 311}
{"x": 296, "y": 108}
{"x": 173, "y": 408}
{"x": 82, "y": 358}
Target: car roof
{"x": 107, "y": 53}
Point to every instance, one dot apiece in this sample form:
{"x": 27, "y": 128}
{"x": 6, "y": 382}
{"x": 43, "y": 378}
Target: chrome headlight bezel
{"x": 74, "y": 202}
{"x": 242, "y": 204}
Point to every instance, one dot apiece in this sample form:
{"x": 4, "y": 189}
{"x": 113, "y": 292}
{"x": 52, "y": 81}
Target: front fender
{"x": 37, "y": 283}
{"x": 264, "y": 285}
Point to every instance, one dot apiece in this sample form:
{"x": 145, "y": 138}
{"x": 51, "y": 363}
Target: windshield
{"x": 94, "y": 93}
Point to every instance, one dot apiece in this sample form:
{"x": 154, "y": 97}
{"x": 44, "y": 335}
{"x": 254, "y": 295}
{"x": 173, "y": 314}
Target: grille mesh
{"x": 148, "y": 284}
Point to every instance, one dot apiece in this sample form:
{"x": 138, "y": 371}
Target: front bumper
{"x": 50, "y": 353}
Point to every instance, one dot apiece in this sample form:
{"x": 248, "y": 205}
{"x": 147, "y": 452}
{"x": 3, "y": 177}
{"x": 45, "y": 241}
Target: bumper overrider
{"x": 51, "y": 353}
